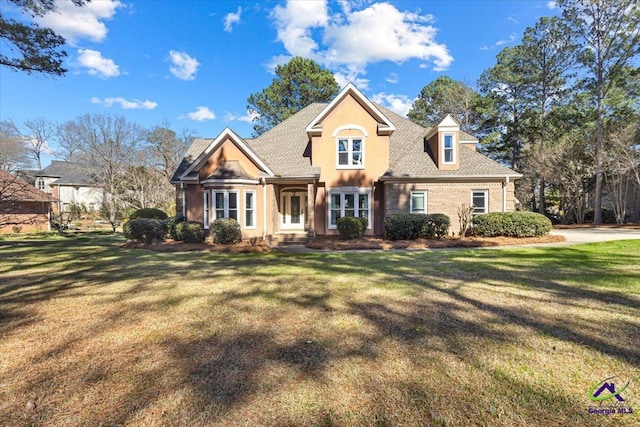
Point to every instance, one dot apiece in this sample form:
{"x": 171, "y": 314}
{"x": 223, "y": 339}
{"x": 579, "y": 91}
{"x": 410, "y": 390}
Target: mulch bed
{"x": 337, "y": 243}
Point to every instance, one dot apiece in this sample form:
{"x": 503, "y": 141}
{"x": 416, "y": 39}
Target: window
{"x": 250, "y": 209}
{"x": 40, "y": 184}
{"x": 418, "y": 202}
{"x": 351, "y": 203}
{"x": 226, "y": 204}
{"x": 206, "y": 209}
{"x": 350, "y": 153}
{"x": 480, "y": 201}
{"x": 449, "y": 156}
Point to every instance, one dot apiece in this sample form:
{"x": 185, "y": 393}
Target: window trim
{"x": 424, "y": 194}
{"x": 485, "y": 194}
{"x": 254, "y": 210}
{"x": 225, "y": 203}
{"x": 207, "y": 209}
{"x": 346, "y": 190}
{"x": 453, "y": 148}
{"x": 349, "y": 151}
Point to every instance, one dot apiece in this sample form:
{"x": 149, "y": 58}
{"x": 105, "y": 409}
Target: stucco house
{"x": 348, "y": 157}
{"x": 22, "y": 206}
{"x": 70, "y": 183}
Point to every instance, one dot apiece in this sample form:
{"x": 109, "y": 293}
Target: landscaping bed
{"x": 338, "y": 243}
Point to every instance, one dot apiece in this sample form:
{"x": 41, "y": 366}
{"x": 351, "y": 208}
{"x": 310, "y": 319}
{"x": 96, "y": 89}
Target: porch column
{"x": 310, "y": 208}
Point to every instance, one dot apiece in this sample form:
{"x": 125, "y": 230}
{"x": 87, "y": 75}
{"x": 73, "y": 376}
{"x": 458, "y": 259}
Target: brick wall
{"x": 446, "y": 198}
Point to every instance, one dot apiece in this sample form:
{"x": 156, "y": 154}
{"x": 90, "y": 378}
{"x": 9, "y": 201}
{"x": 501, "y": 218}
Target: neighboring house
{"x": 70, "y": 183}
{"x": 350, "y": 157}
{"x": 22, "y": 205}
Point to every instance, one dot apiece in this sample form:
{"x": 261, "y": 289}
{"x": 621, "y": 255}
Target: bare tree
{"x": 37, "y": 136}
{"x": 622, "y": 166}
{"x": 107, "y": 146}
{"x": 15, "y": 193}
{"x": 13, "y": 153}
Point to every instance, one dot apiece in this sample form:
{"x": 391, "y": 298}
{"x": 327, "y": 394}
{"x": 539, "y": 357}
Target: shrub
{"x": 351, "y": 227}
{"x": 149, "y": 213}
{"x": 190, "y": 232}
{"x": 435, "y": 226}
{"x": 170, "y": 224}
{"x": 511, "y": 224}
{"x": 226, "y": 231}
{"x": 404, "y": 226}
{"x": 144, "y": 230}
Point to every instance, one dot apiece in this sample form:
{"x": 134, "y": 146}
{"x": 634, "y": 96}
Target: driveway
{"x": 574, "y": 236}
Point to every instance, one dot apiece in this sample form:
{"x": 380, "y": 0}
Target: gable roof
{"x": 229, "y": 170}
{"x": 18, "y": 190}
{"x": 385, "y": 126}
{"x": 286, "y": 148}
{"x": 70, "y": 173}
{"x": 213, "y": 145}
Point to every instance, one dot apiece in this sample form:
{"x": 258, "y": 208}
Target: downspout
{"x": 504, "y": 193}
{"x": 264, "y": 208}
{"x": 184, "y": 210}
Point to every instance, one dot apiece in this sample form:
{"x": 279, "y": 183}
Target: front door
{"x": 293, "y": 203}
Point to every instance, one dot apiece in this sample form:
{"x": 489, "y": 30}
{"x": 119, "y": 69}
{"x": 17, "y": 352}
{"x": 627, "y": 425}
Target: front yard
{"x": 92, "y": 333}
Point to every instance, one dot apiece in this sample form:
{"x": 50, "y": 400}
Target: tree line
{"x": 134, "y": 165}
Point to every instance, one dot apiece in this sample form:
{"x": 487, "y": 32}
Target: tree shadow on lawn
{"x": 439, "y": 316}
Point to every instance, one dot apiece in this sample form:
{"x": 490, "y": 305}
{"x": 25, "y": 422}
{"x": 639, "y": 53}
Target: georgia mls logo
{"x": 610, "y": 400}
{"x": 605, "y": 391}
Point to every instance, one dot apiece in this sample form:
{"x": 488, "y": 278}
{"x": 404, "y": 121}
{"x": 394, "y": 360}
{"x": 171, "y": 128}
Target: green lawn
{"x": 95, "y": 334}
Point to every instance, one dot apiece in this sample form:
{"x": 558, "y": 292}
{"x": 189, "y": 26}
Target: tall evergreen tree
{"x": 609, "y": 32}
{"x": 297, "y": 84}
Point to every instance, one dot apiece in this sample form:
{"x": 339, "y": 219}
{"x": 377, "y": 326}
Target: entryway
{"x": 293, "y": 202}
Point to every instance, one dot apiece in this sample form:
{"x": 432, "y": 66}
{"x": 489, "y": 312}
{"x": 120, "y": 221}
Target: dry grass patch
{"x": 95, "y": 334}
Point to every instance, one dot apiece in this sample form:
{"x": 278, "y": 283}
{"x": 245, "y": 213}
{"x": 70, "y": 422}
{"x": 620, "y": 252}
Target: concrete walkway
{"x": 575, "y": 236}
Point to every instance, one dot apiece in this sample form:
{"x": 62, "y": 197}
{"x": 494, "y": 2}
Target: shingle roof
{"x": 19, "y": 190}
{"x": 69, "y": 173}
{"x": 286, "y": 150}
{"x": 197, "y": 146}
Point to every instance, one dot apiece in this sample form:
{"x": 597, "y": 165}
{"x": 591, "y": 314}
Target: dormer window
{"x": 350, "y": 153}
{"x": 448, "y": 149}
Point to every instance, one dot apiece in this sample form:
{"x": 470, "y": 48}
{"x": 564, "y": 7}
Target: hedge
{"x": 412, "y": 226}
{"x": 226, "y": 231}
{"x": 351, "y": 227}
{"x": 190, "y": 232}
{"x": 170, "y": 224}
{"x": 144, "y": 230}
{"x": 149, "y": 213}
{"x": 511, "y": 224}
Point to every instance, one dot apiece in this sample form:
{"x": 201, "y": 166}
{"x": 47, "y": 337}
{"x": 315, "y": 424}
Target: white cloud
{"x": 511, "y": 39}
{"x": 512, "y": 19}
{"x": 125, "y": 104}
{"x": 74, "y": 23}
{"x": 247, "y": 118}
{"x": 96, "y": 64}
{"x": 184, "y": 66}
{"x": 346, "y": 37}
{"x": 393, "y": 78}
{"x": 232, "y": 18}
{"x": 552, "y": 5}
{"x": 201, "y": 114}
{"x": 400, "y": 104}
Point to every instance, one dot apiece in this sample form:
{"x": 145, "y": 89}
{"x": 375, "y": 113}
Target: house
{"x": 70, "y": 183}
{"x": 22, "y": 206}
{"x": 350, "y": 157}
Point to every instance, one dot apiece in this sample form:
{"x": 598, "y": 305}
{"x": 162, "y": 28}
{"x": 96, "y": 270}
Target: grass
{"x": 92, "y": 333}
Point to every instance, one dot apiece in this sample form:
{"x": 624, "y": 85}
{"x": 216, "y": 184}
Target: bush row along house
{"x": 350, "y": 157}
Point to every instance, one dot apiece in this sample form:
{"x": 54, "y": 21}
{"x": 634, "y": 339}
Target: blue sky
{"x": 194, "y": 63}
